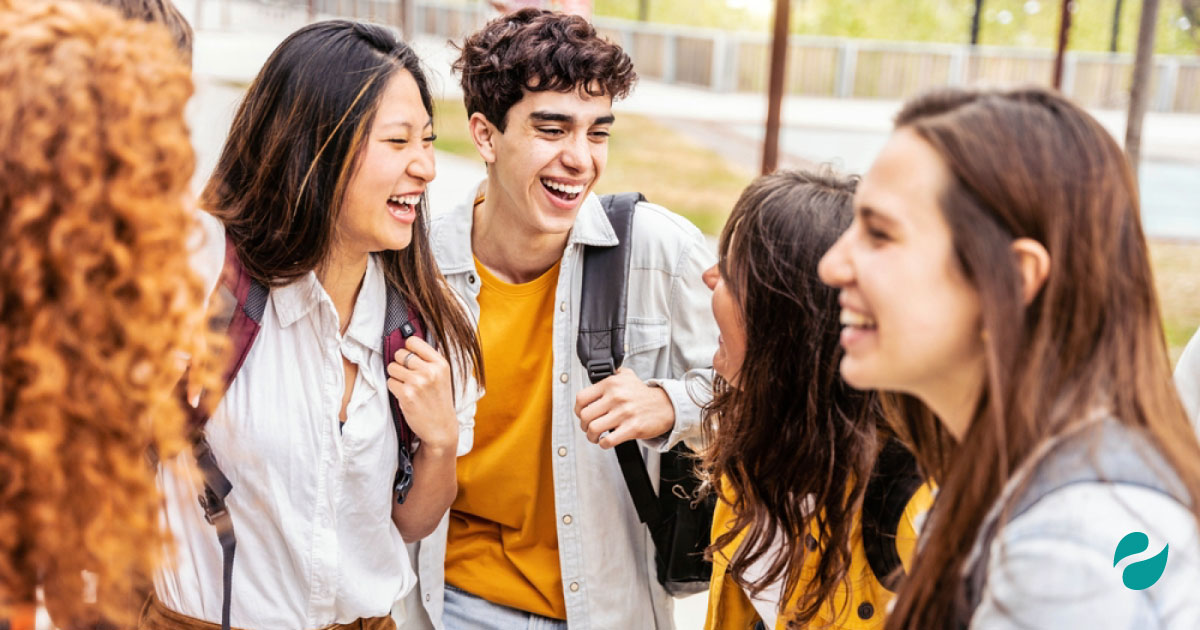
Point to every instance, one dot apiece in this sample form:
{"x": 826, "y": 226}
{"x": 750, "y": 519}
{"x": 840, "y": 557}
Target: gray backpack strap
{"x": 1105, "y": 452}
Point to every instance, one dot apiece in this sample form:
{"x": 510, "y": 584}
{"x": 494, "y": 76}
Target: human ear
{"x": 483, "y": 134}
{"x": 1033, "y": 263}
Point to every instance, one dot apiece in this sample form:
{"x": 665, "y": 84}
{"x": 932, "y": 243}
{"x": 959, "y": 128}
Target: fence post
{"x": 957, "y": 73}
{"x": 721, "y": 66}
{"x": 847, "y": 60}
{"x": 1070, "y": 68}
{"x": 670, "y": 47}
{"x": 1168, "y": 82}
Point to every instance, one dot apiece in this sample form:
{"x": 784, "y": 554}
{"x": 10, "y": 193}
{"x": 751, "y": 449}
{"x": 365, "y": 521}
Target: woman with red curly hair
{"x": 95, "y": 297}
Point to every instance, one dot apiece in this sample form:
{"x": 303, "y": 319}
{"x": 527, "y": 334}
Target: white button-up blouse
{"x": 311, "y": 498}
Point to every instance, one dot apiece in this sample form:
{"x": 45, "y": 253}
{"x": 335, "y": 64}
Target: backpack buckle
{"x": 214, "y": 506}
{"x": 600, "y": 369}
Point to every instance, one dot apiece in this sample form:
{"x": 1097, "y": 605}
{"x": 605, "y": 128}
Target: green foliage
{"x": 1020, "y": 23}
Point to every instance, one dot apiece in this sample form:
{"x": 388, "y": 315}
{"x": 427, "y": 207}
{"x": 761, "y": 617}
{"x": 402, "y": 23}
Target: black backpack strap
{"x": 894, "y": 481}
{"x": 1106, "y": 451}
{"x": 601, "y": 341}
{"x": 400, "y": 323}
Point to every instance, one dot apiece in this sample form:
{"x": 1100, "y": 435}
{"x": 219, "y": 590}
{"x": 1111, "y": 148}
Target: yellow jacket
{"x": 864, "y": 608}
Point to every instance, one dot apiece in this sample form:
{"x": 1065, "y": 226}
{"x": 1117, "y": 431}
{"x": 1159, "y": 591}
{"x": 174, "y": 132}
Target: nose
{"x": 835, "y": 269}
{"x": 575, "y": 153}
{"x": 423, "y": 167}
{"x": 711, "y": 276}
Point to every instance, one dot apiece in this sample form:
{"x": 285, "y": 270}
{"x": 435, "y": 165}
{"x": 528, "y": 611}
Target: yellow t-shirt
{"x": 503, "y": 538}
{"x": 729, "y": 608}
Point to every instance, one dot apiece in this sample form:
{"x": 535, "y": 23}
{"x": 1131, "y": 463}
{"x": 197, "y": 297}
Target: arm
{"x": 423, "y": 390}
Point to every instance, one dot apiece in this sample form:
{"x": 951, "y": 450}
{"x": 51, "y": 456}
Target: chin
{"x": 855, "y": 374}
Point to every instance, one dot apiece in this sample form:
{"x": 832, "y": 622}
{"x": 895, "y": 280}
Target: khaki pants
{"x": 155, "y": 616}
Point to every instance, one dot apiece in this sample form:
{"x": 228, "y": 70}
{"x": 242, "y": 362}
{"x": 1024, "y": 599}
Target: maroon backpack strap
{"x": 400, "y": 322}
{"x": 239, "y": 303}
{"x": 242, "y": 302}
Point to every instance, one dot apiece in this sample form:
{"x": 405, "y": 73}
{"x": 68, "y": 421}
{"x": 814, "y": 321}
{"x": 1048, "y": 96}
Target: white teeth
{"x": 858, "y": 320}
{"x": 405, "y": 200}
{"x": 570, "y": 190}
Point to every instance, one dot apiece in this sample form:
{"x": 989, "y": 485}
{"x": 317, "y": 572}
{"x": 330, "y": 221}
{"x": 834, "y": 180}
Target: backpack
{"x": 894, "y": 480}
{"x": 679, "y": 523}
{"x": 245, "y": 300}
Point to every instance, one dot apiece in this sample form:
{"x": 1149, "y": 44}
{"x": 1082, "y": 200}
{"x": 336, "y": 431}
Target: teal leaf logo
{"x": 1143, "y": 574}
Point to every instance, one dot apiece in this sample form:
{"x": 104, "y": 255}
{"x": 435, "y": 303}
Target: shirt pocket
{"x": 645, "y": 346}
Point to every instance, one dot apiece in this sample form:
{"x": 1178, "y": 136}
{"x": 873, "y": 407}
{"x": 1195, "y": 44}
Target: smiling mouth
{"x": 565, "y": 192}
{"x": 851, "y": 319}
{"x": 403, "y": 206}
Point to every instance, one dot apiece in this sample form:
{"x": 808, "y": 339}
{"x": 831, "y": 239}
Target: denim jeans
{"x": 465, "y": 611}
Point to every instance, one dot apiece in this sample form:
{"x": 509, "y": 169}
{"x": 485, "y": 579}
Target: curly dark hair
{"x": 533, "y": 50}
{"x": 791, "y": 427}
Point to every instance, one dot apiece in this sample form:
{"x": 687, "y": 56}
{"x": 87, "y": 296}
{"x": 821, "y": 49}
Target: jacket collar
{"x": 453, "y": 250}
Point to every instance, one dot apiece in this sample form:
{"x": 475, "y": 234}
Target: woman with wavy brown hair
{"x": 319, "y": 196}
{"x": 793, "y": 449}
{"x": 997, "y": 282}
{"x": 96, "y": 297}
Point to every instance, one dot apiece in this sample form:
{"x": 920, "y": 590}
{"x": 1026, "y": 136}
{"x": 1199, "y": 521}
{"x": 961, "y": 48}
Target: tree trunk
{"x": 975, "y": 22}
{"x": 1139, "y": 94}
{"x": 1116, "y": 27}
{"x": 1064, "y": 30}
{"x": 779, "y": 42}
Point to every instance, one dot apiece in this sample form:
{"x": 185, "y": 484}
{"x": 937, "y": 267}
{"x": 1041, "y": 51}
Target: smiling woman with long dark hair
{"x": 996, "y": 282}
{"x": 793, "y": 449}
{"x": 319, "y": 194}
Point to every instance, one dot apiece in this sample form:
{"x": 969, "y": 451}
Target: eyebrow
{"x": 405, "y": 124}
{"x": 871, "y": 214}
{"x": 543, "y": 116}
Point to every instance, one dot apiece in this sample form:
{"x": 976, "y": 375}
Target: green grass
{"x": 701, "y": 185}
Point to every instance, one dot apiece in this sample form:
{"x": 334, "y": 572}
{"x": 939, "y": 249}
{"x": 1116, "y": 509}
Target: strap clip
{"x": 600, "y": 369}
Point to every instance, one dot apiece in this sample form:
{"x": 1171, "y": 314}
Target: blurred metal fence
{"x": 818, "y": 66}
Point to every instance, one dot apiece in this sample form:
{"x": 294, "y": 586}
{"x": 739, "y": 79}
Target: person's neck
{"x": 955, "y": 397}
{"x": 512, "y": 253}
{"x": 341, "y": 275}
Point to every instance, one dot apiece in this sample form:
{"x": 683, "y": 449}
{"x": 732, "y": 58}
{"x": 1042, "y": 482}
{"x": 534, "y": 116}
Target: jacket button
{"x": 426, "y": 596}
{"x": 866, "y": 610}
{"x": 471, "y": 278}
{"x": 810, "y": 542}
{"x": 562, "y": 306}
{"x": 563, "y": 377}
{"x": 567, "y": 519}
{"x": 574, "y": 587}
{"x": 562, "y": 451}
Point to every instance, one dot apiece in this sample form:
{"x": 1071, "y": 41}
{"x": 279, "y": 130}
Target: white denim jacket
{"x": 605, "y": 553}
{"x": 1054, "y": 566}
{"x": 1187, "y": 379}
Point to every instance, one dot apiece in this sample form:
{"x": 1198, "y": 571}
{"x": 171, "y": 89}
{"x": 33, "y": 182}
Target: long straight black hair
{"x": 296, "y": 141}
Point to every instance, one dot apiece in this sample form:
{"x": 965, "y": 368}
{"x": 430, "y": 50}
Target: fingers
{"x": 418, "y": 362}
{"x": 422, "y": 349}
{"x": 597, "y": 427}
{"x": 621, "y": 434}
{"x": 589, "y": 395}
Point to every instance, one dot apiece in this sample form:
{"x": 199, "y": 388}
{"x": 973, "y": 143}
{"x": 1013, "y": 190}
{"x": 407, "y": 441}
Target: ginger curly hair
{"x": 96, "y": 300}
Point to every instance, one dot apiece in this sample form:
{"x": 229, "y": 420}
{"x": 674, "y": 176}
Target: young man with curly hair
{"x": 543, "y": 532}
